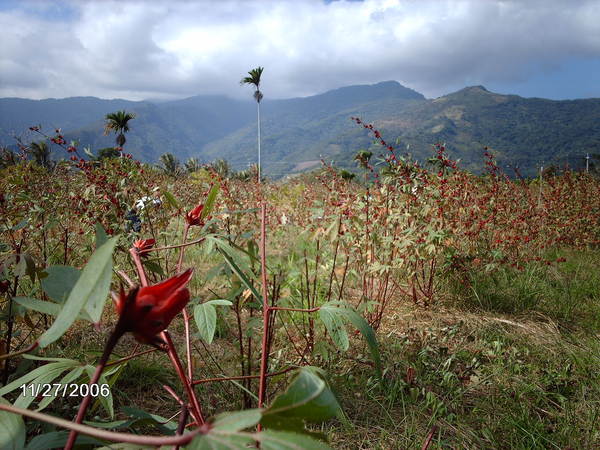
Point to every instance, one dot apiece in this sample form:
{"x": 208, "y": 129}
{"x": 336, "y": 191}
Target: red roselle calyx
{"x": 194, "y": 216}
{"x": 143, "y": 246}
{"x": 149, "y": 310}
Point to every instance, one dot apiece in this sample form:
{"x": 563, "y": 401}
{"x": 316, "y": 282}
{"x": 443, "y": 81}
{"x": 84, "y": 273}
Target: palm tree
{"x": 170, "y": 164}
{"x": 41, "y": 153}
{"x": 221, "y": 166}
{"x": 254, "y": 80}
{"x": 119, "y": 123}
{"x": 192, "y": 165}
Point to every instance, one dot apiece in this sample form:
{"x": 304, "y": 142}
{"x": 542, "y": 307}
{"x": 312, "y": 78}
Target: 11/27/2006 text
{"x": 65, "y": 390}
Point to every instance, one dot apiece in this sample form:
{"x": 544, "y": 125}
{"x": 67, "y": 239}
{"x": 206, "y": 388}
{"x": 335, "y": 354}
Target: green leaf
{"x": 341, "y": 310}
{"x": 100, "y": 291}
{"x": 30, "y": 269}
{"x": 39, "y": 372}
{"x": 46, "y": 376}
{"x": 110, "y": 377}
{"x": 154, "y": 267}
{"x": 114, "y": 425}
{"x": 369, "y": 335}
{"x": 206, "y": 321}
{"x": 171, "y": 200}
{"x": 332, "y": 318}
{"x": 58, "y": 439}
{"x": 60, "y": 281}
{"x": 91, "y": 291}
{"x": 307, "y": 398}
{"x": 218, "y": 302}
{"x": 12, "y": 436}
{"x": 21, "y": 267}
{"x": 106, "y": 402}
{"x": 142, "y": 417}
{"x": 236, "y": 421}
{"x": 252, "y": 325}
{"x": 205, "y": 315}
{"x": 68, "y": 378}
{"x": 209, "y": 204}
{"x": 101, "y": 236}
{"x": 241, "y": 275}
{"x": 282, "y": 440}
{"x": 50, "y": 308}
{"x": 216, "y": 441}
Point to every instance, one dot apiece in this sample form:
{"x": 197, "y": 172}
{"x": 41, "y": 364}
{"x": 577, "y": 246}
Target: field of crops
{"x": 407, "y": 306}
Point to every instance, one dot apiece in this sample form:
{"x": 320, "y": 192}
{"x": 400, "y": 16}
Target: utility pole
{"x": 587, "y": 162}
{"x": 540, "y": 191}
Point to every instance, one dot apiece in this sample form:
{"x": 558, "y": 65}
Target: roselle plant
{"x": 146, "y": 311}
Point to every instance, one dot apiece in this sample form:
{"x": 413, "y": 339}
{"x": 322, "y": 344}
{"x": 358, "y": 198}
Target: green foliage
{"x": 13, "y": 435}
{"x": 192, "y": 165}
{"x": 89, "y": 293}
{"x": 59, "y": 282}
{"x": 170, "y": 164}
{"x": 253, "y": 79}
{"x": 118, "y": 122}
{"x": 40, "y": 153}
{"x": 108, "y": 152}
{"x": 205, "y": 315}
{"x": 307, "y": 398}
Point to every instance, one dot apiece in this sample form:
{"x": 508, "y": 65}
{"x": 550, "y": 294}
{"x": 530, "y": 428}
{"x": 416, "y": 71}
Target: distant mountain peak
{"x": 382, "y": 88}
{"x": 479, "y": 89}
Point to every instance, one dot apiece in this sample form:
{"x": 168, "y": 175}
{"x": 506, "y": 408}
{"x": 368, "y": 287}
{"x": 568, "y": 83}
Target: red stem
{"x": 196, "y": 409}
{"x": 139, "y": 266}
{"x": 173, "y": 394}
{"x": 186, "y": 316}
{"x": 123, "y": 275}
{"x": 108, "y": 348}
{"x": 20, "y": 352}
{"x": 429, "y": 438}
{"x": 104, "y": 434}
{"x": 127, "y": 358}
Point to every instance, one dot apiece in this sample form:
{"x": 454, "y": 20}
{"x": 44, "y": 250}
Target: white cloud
{"x": 135, "y": 49}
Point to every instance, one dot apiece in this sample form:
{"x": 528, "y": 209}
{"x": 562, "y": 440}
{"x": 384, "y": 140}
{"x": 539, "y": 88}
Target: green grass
{"x": 482, "y": 386}
{"x": 567, "y": 293}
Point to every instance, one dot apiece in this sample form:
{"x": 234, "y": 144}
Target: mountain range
{"x": 298, "y": 132}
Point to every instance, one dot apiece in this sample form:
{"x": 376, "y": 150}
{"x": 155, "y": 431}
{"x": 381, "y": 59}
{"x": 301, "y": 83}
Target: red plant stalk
{"x": 186, "y": 317}
{"x": 139, "y": 266}
{"x": 196, "y": 409}
{"x": 157, "y": 441}
{"x": 85, "y": 403}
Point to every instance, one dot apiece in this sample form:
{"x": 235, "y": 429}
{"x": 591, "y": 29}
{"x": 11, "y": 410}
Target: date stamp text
{"x": 65, "y": 390}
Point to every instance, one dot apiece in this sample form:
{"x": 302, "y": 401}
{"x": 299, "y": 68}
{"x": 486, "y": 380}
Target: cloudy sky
{"x": 172, "y": 49}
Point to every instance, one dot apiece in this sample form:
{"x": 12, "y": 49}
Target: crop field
{"x": 404, "y": 306}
